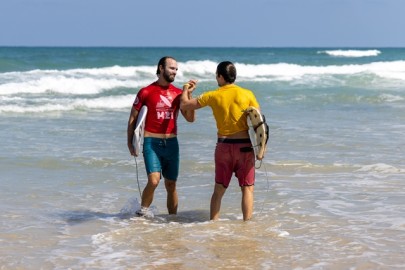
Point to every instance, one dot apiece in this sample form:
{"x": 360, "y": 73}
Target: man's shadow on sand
{"x": 76, "y": 217}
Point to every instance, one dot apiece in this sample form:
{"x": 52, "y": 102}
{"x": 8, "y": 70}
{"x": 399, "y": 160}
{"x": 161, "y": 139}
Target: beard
{"x": 169, "y": 78}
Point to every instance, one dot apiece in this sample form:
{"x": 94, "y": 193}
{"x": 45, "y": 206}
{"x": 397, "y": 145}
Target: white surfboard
{"x": 258, "y": 131}
{"x": 139, "y": 130}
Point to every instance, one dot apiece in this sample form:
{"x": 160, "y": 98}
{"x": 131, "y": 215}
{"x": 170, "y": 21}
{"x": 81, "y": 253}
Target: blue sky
{"x": 212, "y": 23}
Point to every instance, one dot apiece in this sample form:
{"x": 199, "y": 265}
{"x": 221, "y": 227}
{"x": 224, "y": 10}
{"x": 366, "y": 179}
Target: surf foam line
{"x": 100, "y": 80}
{"x": 351, "y": 53}
{"x": 27, "y": 104}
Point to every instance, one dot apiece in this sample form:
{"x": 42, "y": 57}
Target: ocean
{"x": 329, "y": 194}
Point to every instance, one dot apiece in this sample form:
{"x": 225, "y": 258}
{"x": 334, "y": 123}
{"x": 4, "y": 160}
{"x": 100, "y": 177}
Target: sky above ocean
{"x": 236, "y": 23}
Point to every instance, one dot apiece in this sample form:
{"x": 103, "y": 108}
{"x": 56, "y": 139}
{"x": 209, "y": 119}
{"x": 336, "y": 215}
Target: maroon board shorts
{"x": 234, "y": 156}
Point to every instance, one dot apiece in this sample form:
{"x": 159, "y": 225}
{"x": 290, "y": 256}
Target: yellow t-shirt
{"x": 227, "y": 104}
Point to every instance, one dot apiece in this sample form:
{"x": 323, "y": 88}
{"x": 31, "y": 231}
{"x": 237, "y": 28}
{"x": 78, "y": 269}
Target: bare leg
{"x": 149, "y": 190}
{"x": 172, "y": 198}
{"x": 219, "y": 191}
{"x": 247, "y": 202}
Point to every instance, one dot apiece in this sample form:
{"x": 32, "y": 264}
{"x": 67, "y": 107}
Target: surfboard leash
{"x": 267, "y": 189}
{"x": 137, "y": 178}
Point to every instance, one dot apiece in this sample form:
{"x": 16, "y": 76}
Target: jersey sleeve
{"x": 253, "y": 100}
{"x": 139, "y": 100}
{"x": 204, "y": 99}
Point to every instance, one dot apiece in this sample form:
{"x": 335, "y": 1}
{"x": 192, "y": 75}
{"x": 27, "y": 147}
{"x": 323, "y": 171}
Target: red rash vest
{"x": 163, "y": 107}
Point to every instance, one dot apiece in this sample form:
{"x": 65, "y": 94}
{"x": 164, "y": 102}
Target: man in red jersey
{"x": 160, "y": 146}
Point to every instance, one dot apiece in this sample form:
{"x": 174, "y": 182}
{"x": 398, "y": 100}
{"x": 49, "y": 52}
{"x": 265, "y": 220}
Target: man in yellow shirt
{"x": 233, "y": 152}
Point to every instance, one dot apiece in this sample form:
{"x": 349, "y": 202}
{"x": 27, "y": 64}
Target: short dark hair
{"x": 162, "y": 62}
{"x": 227, "y": 70}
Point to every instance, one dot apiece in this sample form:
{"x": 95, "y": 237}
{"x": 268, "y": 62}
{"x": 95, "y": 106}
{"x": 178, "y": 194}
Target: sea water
{"x": 330, "y": 193}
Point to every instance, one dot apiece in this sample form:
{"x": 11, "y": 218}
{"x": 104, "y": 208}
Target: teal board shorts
{"x": 162, "y": 155}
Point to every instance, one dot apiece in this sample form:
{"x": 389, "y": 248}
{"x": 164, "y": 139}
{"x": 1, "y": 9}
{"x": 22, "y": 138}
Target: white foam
{"x": 351, "y": 53}
{"x": 34, "y": 109}
{"x": 133, "y": 205}
{"x": 277, "y": 231}
{"x": 289, "y": 72}
{"x": 381, "y": 168}
{"x": 74, "y": 81}
{"x": 110, "y": 87}
{"x": 94, "y": 81}
{"x": 390, "y": 98}
{"x": 109, "y": 102}
{"x": 66, "y": 104}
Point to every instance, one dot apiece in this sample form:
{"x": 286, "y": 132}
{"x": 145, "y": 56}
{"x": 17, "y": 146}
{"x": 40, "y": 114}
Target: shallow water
{"x": 329, "y": 194}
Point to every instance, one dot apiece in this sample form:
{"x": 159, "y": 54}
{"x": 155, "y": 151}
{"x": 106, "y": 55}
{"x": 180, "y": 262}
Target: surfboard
{"x": 258, "y": 131}
{"x": 139, "y": 130}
